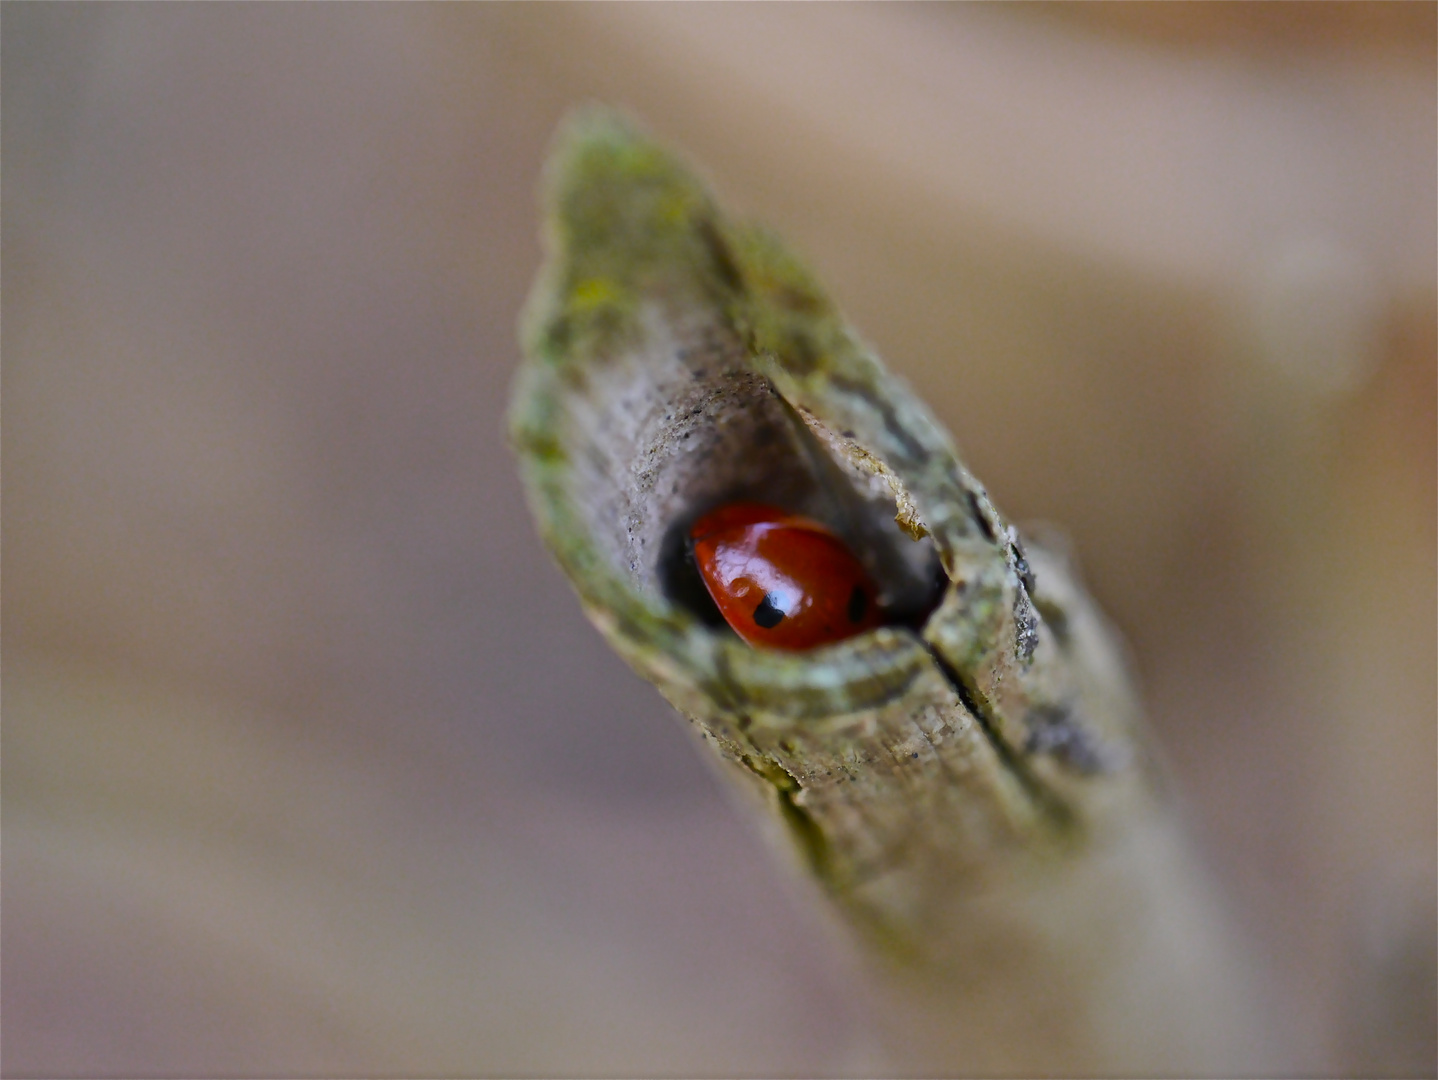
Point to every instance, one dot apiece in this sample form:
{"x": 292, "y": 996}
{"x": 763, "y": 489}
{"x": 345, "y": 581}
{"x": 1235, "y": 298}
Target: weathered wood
{"x": 970, "y": 787}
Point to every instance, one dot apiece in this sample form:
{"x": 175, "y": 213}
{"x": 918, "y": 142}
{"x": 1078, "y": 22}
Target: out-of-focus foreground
{"x": 311, "y": 764}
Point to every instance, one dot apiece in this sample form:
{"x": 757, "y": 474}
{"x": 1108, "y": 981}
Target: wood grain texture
{"x": 969, "y": 789}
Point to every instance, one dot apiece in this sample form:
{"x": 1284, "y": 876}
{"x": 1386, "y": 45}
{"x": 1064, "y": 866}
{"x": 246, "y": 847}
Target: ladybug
{"x": 782, "y": 581}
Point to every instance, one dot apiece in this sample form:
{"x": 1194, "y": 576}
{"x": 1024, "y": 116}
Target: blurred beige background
{"x": 310, "y": 763}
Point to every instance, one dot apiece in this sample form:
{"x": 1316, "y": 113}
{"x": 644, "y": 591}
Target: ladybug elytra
{"x": 782, "y": 581}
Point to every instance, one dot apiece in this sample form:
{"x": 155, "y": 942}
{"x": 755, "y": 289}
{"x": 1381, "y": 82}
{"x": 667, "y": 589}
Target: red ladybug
{"x": 781, "y": 580}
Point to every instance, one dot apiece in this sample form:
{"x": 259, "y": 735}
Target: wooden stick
{"x": 969, "y": 788}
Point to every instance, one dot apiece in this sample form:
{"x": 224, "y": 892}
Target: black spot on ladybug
{"x": 768, "y": 614}
{"x": 858, "y": 604}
